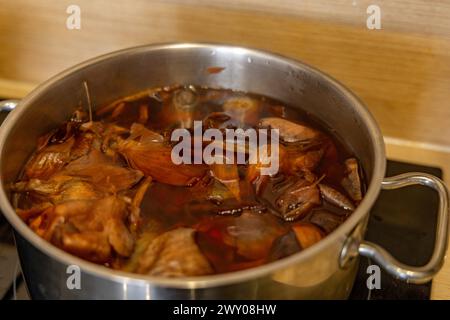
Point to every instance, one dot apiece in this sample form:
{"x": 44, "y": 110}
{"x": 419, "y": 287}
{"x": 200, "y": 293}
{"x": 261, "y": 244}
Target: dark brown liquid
{"x": 170, "y": 207}
{"x": 233, "y": 234}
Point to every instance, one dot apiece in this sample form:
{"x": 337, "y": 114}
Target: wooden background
{"x": 402, "y": 72}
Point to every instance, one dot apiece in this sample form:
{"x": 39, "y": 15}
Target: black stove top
{"x": 402, "y": 221}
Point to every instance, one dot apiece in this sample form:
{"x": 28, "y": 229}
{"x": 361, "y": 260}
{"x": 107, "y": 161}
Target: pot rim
{"x": 211, "y": 280}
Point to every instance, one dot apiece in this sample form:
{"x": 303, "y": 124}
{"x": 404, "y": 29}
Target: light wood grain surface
{"x": 402, "y": 72}
{"x": 403, "y": 76}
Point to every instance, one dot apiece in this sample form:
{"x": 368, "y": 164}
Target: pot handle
{"x": 8, "y": 105}
{"x": 410, "y": 274}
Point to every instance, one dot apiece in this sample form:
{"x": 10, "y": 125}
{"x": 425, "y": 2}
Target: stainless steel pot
{"x": 325, "y": 270}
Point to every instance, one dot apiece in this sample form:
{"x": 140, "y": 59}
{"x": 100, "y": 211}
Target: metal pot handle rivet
{"x": 410, "y": 274}
{"x": 8, "y": 105}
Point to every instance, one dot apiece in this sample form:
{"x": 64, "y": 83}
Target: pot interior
{"x": 127, "y": 72}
